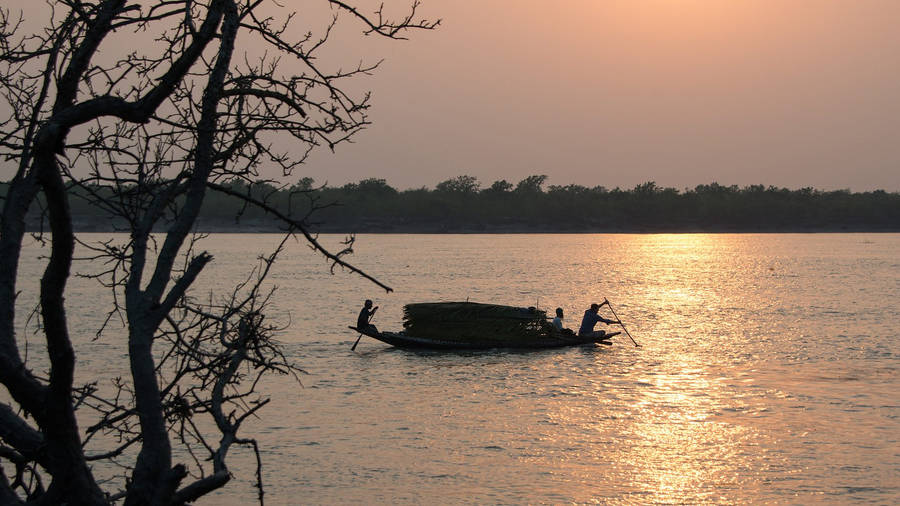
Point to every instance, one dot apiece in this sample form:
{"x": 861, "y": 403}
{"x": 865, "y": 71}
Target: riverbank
{"x": 256, "y": 226}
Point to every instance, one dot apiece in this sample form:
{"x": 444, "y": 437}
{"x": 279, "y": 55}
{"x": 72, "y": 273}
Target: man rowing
{"x": 591, "y": 318}
{"x": 365, "y": 315}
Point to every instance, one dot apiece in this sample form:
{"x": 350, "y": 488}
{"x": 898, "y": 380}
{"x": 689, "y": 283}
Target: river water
{"x": 769, "y": 372}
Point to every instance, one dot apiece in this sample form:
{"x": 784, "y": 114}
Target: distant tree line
{"x": 462, "y": 204}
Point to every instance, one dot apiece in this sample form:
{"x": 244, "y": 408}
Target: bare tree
{"x": 145, "y": 135}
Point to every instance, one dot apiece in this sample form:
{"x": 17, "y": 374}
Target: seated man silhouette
{"x": 365, "y": 314}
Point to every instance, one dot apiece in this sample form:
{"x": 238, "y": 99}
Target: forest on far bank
{"x": 461, "y": 204}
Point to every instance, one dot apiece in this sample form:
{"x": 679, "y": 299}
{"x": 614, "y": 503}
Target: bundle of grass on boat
{"x": 477, "y": 323}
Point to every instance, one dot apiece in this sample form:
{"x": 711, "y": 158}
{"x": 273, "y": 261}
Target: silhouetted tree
{"x": 144, "y": 136}
{"x": 501, "y": 186}
{"x": 531, "y": 184}
{"x": 375, "y": 187}
{"x": 460, "y": 184}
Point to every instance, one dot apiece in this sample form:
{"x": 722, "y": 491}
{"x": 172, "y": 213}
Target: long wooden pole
{"x": 353, "y": 348}
{"x": 606, "y": 301}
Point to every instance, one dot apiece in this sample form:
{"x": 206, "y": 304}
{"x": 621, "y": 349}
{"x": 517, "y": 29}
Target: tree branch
{"x": 299, "y": 225}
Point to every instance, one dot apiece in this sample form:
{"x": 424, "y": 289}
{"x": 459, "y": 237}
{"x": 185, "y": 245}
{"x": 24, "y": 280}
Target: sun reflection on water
{"x": 675, "y": 446}
{"x": 682, "y": 432}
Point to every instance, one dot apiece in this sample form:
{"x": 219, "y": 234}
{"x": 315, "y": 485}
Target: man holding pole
{"x": 362, "y": 322}
{"x": 591, "y": 318}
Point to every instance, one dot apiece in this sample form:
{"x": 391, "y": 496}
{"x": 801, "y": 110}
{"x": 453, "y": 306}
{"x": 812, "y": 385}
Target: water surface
{"x": 768, "y": 372}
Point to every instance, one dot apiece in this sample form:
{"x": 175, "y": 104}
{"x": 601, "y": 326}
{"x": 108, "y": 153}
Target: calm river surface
{"x": 769, "y": 372}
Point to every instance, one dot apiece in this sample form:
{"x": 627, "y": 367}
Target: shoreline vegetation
{"x": 460, "y": 205}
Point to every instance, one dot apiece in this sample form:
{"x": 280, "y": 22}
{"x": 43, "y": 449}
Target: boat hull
{"x": 401, "y": 340}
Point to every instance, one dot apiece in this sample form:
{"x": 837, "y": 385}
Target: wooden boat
{"x": 470, "y": 325}
{"x": 401, "y": 340}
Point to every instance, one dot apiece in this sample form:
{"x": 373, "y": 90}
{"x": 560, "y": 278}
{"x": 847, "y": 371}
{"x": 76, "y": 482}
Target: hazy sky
{"x": 618, "y": 92}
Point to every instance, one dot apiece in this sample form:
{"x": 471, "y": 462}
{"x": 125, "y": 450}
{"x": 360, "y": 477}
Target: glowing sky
{"x": 781, "y": 92}
{"x": 617, "y": 92}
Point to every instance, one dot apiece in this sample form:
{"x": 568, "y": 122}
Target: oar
{"x": 606, "y": 301}
{"x": 353, "y": 348}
